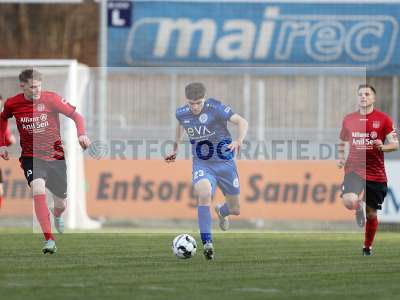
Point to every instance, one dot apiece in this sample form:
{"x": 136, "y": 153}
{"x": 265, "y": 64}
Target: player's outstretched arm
{"x": 62, "y": 106}
{"x": 178, "y": 136}
{"x": 243, "y": 127}
{"x": 83, "y": 139}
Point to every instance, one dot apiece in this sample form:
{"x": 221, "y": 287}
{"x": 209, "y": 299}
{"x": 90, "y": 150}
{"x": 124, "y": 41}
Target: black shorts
{"x": 374, "y": 192}
{"x": 53, "y": 172}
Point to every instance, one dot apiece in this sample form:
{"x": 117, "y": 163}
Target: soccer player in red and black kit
{"x": 9, "y": 140}
{"x": 369, "y": 133}
{"x": 37, "y": 116}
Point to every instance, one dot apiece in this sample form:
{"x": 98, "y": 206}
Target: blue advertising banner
{"x": 182, "y": 33}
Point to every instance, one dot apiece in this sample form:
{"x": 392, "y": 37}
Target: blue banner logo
{"x": 259, "y": 34}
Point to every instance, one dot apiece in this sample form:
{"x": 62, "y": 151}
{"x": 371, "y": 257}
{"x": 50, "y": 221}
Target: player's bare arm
{"x": 178, "y": 137}
{"x": 391, "y": 145}
{"x": 341, "y": 159}
{"x": 243, "y": 127}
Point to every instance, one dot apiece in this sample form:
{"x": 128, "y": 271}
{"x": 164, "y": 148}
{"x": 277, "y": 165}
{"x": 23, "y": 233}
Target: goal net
{"x": 70, "y": 80}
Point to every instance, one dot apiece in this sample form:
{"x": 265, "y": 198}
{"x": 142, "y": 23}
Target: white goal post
{"x": 70, "y": 79}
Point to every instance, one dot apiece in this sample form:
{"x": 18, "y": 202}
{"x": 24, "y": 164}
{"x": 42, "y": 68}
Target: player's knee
{"x": 204, "y": 195}
{"x": 349, "y": 200}
{"x": 38, "y": 187}
{"x": 348, "y": 204}
{"x": 371, "y": 213}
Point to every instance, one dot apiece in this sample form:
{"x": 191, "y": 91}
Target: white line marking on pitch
{"x": 257, "y": 290}
{"x": 157, "y": 288}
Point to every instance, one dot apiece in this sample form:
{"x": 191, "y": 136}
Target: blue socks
{"x": 224, "y": 210}
{"x": 204, "y": 218}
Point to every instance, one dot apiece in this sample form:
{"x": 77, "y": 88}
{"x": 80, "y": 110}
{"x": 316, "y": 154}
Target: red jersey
{"x": 360, "y": 131}
{"x": 38, "y": 124}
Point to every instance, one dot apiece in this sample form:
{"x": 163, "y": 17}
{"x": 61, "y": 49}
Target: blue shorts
{"x": 221, "y": 173}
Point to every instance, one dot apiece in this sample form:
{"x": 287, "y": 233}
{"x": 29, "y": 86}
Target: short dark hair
{"x": 27, "y": 74}
{"x": 365, "y": 86}
{"x": 195, "y": 91}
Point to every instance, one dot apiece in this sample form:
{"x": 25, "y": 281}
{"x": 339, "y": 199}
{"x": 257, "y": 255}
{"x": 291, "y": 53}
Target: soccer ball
{"x": 184, "y": 246}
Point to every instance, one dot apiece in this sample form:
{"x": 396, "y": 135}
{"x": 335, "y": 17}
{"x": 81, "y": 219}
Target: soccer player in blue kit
{"x": 213, "y": 150}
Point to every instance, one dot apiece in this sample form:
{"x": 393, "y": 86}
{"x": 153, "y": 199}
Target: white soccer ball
{"x": 184, "y": 246}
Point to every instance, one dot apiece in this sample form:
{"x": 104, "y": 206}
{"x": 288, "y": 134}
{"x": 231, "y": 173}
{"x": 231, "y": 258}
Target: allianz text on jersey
{"x": 276, "y": 34}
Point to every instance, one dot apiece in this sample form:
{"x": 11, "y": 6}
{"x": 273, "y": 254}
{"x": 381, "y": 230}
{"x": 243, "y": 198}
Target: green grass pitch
{"x": 246, "y": 266}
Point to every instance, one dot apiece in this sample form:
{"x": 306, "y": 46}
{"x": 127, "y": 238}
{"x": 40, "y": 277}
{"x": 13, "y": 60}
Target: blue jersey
{"x": 208, "y": 132}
